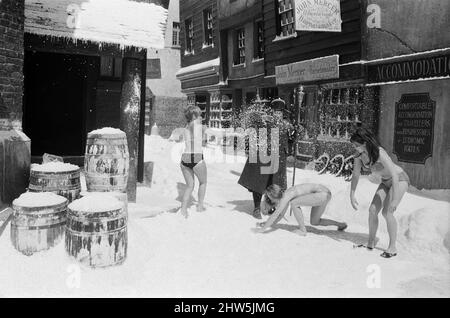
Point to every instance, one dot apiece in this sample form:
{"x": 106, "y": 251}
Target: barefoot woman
{"x": 192, "y": 163}
{"x": 308, "y": 194}
{"x": 394, "y": 183}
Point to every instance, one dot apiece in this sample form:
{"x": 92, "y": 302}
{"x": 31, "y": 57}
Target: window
{"x": 286, "y": 25}
{"x": 239, "y": 55}
{"x": 208, "y": 26}
{"x": 259, "y": 40}
{"x": 110, "y": 67}
{"x": 189, "y": 35}
{"x": 176, "y": 34}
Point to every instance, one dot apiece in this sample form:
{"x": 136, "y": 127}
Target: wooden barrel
{"x": 96, "y": 233}
{"x": 39, "y": 227}
{"x": 57, "y": 177}
{"x": 106, "y": 161}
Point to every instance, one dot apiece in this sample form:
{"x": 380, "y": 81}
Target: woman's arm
{"x": 386, "y": 161}
{"x": 355, "y": 179}
{"x": 282, "y": 206}
{"x": 265, "y": 207}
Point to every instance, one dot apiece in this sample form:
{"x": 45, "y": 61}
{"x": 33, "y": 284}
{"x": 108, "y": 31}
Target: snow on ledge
{"x": 121, "y": 22}
{"x": 198, "y": 67}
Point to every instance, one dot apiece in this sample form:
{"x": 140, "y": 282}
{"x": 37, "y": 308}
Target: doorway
{"x": 54, "y": 113}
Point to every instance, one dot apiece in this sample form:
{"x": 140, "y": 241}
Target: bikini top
{"x": 376, "y": 167}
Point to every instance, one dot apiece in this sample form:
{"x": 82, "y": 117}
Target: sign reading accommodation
{"x": 435, "y": 66}
{"x": 309, "y": 70}
{"x": 413, "y": 131}
{"x": 318, "y": 15}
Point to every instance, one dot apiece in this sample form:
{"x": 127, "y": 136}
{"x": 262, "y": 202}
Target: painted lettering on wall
{"x": 412, "y": 69}
{"x": 413, "y": 132}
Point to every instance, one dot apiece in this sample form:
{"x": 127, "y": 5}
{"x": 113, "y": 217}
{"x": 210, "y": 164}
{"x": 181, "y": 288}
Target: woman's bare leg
{"x": 298, "y": 214}
{"x": 201, "y": 173}
{"x": 318, "y": 201}
{"x": 190, "y": 182}
{"x": 375, "y": 208}
{"x": 390, "y": 218}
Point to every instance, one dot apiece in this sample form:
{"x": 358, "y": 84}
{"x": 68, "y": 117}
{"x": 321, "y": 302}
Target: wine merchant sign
{"x": 318, "y": 15}
{"x": 309, "y": 70}
{"x": 413, "y": 131}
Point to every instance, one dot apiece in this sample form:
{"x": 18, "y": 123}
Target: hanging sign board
{"x": 318, "y": 15}
{"x": 310, "y": 70}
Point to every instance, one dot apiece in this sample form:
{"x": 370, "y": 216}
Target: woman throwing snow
{"x": 394, "y": 183}
{"x": 308, "y": 194}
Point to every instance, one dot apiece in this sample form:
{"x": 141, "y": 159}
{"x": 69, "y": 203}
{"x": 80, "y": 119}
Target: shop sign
{"x": 413, "y": 131}
{"x": 309, "y": 70}
{"x": 436, "y": 66}
{"x": 318, "y": 15}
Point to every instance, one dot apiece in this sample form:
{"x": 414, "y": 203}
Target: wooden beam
{"x": 130, "y": 107}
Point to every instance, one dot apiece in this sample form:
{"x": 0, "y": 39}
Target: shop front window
{"x": 340, "y": 112}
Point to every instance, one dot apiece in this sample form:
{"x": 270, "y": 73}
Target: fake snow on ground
{"x": 215, "y": 253}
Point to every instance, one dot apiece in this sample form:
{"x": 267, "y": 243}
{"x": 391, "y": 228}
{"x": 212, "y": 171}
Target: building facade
{"x": 200, "y": 62}
{"x": 408, "y": 60}
{"x": 164, "y": 99}
{"x": 337, "y": 64}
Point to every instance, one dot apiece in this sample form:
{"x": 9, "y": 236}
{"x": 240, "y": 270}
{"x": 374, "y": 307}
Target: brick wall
{"x": 11, "y": 57}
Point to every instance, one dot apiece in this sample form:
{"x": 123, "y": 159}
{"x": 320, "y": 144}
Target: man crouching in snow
{"x": 308, "y": 194}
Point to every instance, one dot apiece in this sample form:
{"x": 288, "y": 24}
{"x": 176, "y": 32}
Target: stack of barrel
{"x": 96, "y": 224}
{"x": 39, "y": 215}
{"x": 96, "y": 231}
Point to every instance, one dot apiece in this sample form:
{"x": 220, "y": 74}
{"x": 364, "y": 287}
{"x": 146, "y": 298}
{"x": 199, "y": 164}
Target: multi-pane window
{"x": 176, "y": 34}
{"x": 110, "y": 67}
{"x": 189, "y": 24}
{"x": 239, "y": 57}
{"x": 286, "y": 17}
{"x": 259, "y": 40}
{"x": 208, "y": 26}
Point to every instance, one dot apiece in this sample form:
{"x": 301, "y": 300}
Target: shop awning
{"x": 121, "y": 22}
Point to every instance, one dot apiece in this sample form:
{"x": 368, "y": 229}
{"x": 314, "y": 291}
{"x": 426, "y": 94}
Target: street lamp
{"x": 300, "y": 95}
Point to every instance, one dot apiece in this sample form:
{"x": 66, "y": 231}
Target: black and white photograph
{"x": 224, "y": 149}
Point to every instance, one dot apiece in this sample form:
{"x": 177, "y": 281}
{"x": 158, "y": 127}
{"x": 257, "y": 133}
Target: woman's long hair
{"x": 364, "y": 136}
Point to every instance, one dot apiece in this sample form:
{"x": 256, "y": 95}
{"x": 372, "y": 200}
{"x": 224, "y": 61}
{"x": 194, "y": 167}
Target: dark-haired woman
{"x": 192, "y": 161}
{"x": 307, "y": 194}
{"x": 394, "y": 183}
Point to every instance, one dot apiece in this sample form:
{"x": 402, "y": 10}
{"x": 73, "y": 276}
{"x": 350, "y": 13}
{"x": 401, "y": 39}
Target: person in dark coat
{"x": 257, "y": 176}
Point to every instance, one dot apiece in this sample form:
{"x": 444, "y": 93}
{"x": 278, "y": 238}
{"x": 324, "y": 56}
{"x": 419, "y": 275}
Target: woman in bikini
{"x": 192, "y": 161}
{"x": 308, "y": 194}
{"x": 394, "y": 183}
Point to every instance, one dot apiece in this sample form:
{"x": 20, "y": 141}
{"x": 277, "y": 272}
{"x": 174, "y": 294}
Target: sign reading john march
{"x": 413, "y": 132}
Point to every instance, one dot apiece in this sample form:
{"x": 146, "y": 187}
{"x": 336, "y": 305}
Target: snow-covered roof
{"x": 210, "y": 65}
{"x": 121, "y": 22}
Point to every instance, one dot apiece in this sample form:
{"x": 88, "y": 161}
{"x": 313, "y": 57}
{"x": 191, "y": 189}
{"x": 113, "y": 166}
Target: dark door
{"x": 54, "y": 103}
